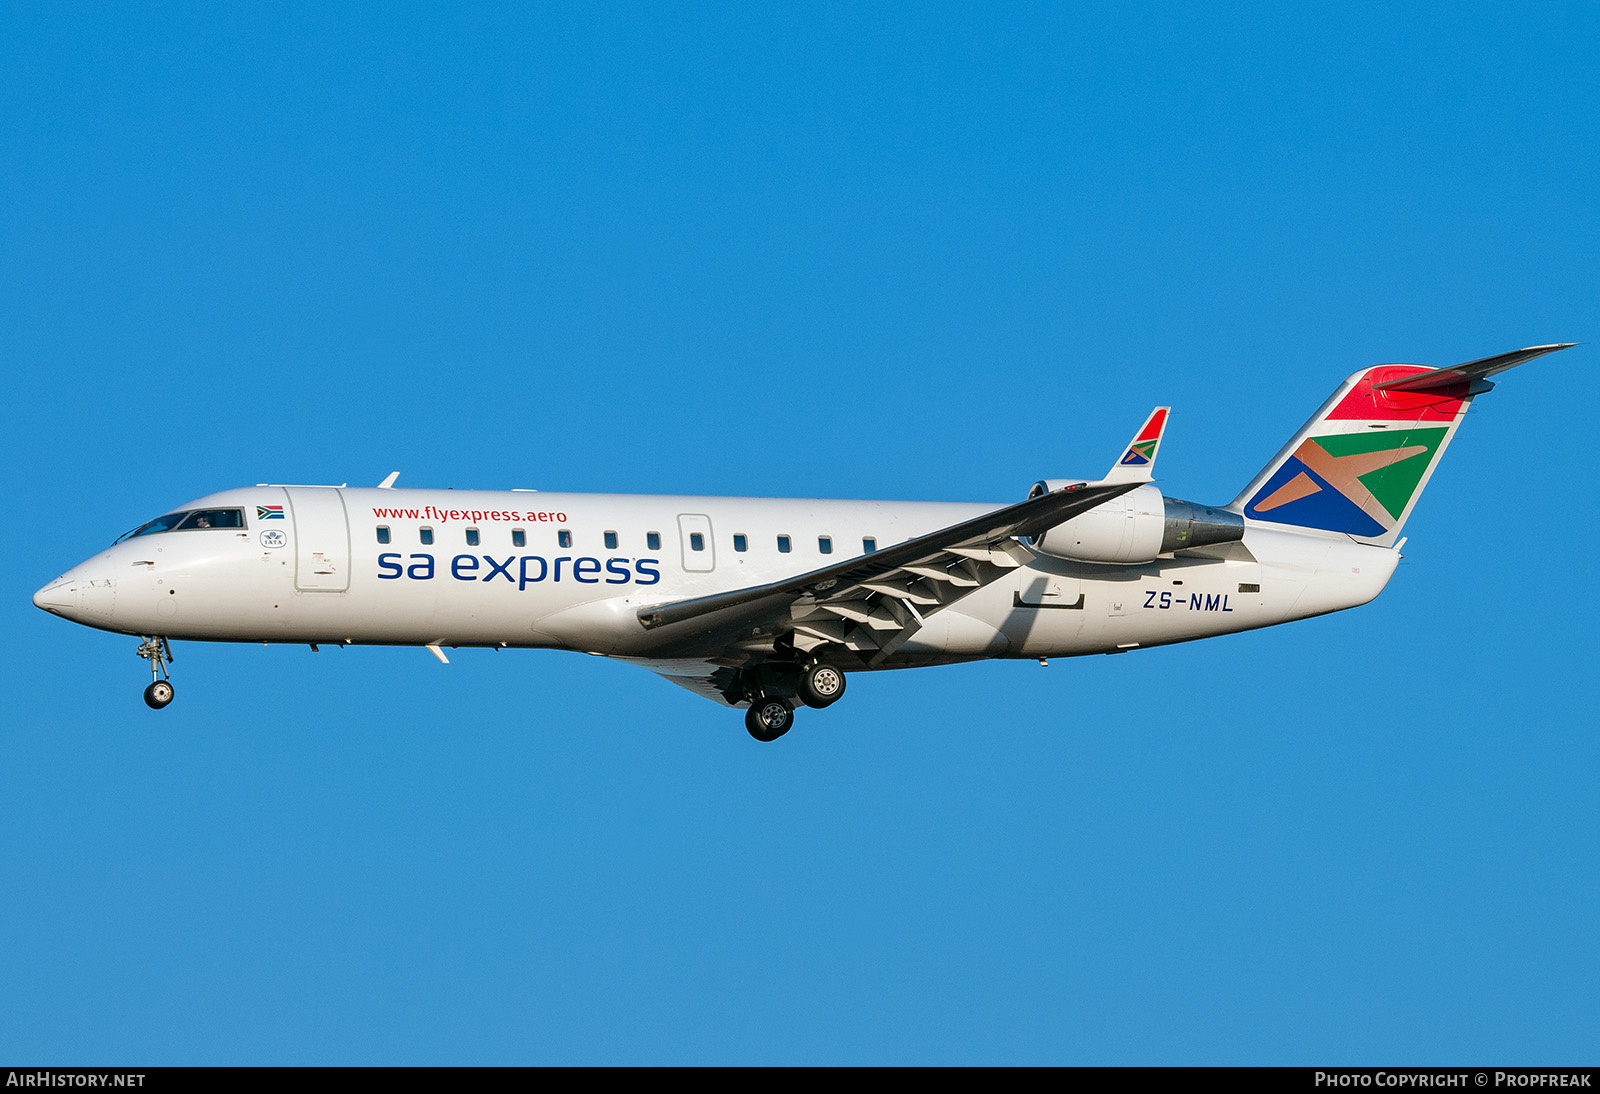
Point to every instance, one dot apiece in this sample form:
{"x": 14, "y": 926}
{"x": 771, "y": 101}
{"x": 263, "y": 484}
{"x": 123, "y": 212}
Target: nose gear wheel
{"x": 159, "y": 653}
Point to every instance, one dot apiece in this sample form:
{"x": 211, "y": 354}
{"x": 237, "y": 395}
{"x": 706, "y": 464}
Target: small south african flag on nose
{"x": 269, "y": 512}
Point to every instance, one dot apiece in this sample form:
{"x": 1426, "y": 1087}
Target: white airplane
{"x": 766, "y": 602}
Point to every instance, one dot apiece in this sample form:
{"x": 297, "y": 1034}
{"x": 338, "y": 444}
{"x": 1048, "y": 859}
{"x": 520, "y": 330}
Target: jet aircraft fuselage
{"x": 766, "y": 602}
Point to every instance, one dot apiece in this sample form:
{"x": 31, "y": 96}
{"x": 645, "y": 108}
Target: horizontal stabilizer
{"x": 1481, "y": 369}
{"x": 1359, "y": 465}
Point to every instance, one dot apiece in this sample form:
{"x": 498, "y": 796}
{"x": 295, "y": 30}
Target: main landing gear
{"x": 771, "y": 712}
{"x": 821, "y": 685}
{"x": 159, "y": 654}
{"x": 769, "y": 718}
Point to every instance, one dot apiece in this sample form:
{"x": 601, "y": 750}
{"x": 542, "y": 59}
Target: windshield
{"x": 188, "y": 521}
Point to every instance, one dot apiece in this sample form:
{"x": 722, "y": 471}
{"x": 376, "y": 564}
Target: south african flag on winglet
{"x": 1143, "y": 449}
{"x": 269, "y": 512}
{"x": 1140, "y": 453}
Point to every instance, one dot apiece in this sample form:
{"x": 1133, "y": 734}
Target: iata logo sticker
{"x": 273, "y": 538}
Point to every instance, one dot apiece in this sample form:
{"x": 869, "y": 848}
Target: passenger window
{"x": 652, "y": 540}
{"x": 564, "y": 538}
{"x": 697, "y": 542}
{"x": 611, "y": 541}
{"x": 472, "y": 537}
{"x": 383, "y": 534}
{"x": 869, "y": 545}
{"x": 427, "y": 536}
{"x": 519, "y": 538}
{"x": 740, "y": 542}
{"x": 825, "y": 544}
{"x": 783, "y": 545}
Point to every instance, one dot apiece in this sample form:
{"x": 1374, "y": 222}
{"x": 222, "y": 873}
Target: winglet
{"x": 388, "y": 482}
{"x": 1139, "y": 461}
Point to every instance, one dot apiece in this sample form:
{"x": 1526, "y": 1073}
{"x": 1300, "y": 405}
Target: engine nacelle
{"x": 1138, "y": 526}
{"x": 1125, "y": 529}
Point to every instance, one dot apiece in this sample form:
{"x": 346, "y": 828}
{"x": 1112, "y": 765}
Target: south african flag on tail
{"x": 1360, "y": 464}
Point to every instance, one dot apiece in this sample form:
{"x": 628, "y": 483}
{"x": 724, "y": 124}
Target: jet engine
{"x": 1138, "y": 526}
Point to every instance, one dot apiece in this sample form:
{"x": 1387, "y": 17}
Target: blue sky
{"x": 919, "y": 251}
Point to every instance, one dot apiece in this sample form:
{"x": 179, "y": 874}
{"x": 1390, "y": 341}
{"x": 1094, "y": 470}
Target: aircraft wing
{"x": 872, "y": 603}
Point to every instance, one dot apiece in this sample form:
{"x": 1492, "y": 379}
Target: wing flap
{"x": 874, "y": 603}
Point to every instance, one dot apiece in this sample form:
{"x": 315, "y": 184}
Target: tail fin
{"x": 1359, "y": 465}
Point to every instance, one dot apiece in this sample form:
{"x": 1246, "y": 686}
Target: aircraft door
{"x": 321, "y": 539}
{"x": 699, "y": 550}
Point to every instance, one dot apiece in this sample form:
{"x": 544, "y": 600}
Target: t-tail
{"x": 1360, "y": 464}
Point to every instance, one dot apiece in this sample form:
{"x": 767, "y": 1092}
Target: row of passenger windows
{"x": 652, "y": 540}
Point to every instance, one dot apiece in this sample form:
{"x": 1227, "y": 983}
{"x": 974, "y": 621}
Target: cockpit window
{"x": 213, "y": 518}
{"x": 160, "y": 524}
{"x": 189, "y": 520}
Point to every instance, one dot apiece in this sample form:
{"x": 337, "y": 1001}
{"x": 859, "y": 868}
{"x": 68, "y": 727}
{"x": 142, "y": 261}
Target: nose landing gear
{"x": 159, "y": 653}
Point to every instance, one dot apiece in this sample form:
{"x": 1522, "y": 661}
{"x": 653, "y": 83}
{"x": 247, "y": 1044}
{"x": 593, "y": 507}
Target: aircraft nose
{"x": 59, "y": 596}
{"x": 81, "y": 596}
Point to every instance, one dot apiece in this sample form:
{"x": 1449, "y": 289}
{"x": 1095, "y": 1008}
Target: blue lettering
{"x": 532, "y": 569}
{"x": 523, "y": 579}
{"x": 1150, "y": 598}
{"x": 1194, "y": 601}
{"x": 1212, "y": 603}
{"x": 1225, "y": 603}
{"x": 1166, "y": 600}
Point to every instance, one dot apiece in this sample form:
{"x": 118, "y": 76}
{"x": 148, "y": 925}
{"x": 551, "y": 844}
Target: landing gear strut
{"x": 774, "y": 688}
{"x": 159, "y": 654}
